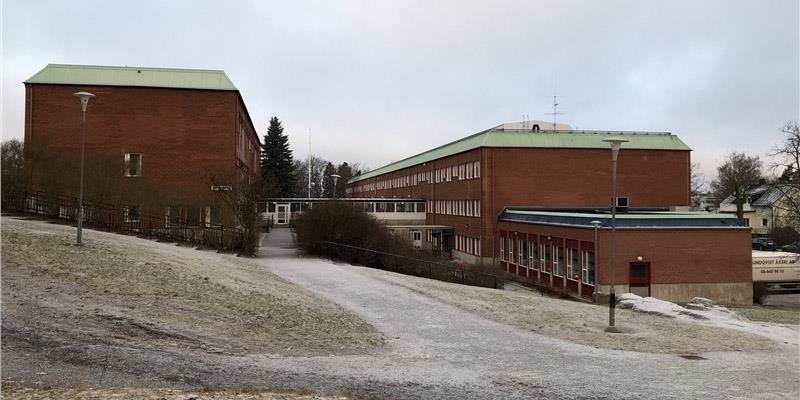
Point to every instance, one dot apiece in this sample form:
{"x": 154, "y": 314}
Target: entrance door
{"x": 640, "y": 278}
{"x": 416, "y": 239}
{"x": 283, "y": 214}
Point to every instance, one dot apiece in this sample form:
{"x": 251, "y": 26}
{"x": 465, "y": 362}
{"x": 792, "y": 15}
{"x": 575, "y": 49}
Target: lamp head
{"x": 615, "y": 142}
{"x": 596, "y": 223}
{"x": 84, "y": 97}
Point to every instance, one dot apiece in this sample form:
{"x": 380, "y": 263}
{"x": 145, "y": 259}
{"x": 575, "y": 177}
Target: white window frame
{"x": 588, "y": 256}
{"x": 502, "y": 249}
{"x": 128, "y": 165}
{"x": 556, "y": 265}
{"x": 571, "y": 269}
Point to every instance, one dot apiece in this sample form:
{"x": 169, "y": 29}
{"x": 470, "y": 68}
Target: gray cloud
{"x": 379, "y": 81}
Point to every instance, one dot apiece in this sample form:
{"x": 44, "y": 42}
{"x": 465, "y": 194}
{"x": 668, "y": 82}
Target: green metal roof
{"x": 541, "y": 139}
{"x": 62, "y": 74}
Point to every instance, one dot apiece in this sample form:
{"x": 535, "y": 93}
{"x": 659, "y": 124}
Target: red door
{"x": 639, "y": 278}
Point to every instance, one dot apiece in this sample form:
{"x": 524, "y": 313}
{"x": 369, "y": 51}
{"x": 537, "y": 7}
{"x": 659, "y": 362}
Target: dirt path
{"x": 431, "y": 342}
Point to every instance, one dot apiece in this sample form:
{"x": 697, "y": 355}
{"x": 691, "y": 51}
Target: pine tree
{"x": 345, "y": 173}
{"x": 277, "y": 167}
{"x": 327, "y": 181}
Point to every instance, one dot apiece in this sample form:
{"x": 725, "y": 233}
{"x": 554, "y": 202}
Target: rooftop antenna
{"x": 555, "y": 112}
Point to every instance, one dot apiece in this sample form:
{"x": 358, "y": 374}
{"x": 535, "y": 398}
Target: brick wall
{"x": 547, "y": 178}
{"x": 184, "y": 135}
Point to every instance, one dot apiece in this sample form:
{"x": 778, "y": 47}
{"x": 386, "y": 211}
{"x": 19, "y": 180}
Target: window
{"x": 133, "y": 164}
{"x": 131, "y": 213}
{"x": 558, "y": 262}
{"x": 401, "y": 207}
{"x": 523, "y": 257}
{"x": 214, "y": 216}
{"x": 502, "y": 248}
{"x": 747, "y": 222}
{"x": 420, "y": 207}
{"x": 588, "y": 267}
{"x": 573, "y": 266}
{"x": 546, "y": 258}
{"x": 534, "y": 255}
{"x": 763, "y": 222}
{"x": 477, "y": 169}
{"x": 511, "y": 257}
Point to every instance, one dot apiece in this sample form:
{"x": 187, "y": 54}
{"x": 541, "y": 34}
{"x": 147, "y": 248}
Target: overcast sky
{"x": 377, "y": 81}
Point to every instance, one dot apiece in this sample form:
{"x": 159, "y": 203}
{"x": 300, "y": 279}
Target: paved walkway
{"x": 432, "y": 345}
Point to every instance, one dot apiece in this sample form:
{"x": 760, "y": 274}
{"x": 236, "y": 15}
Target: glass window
{"x": 511, "y": 257}
{"x": 546, "y": 258}
{"x": 573, "y": 265}
{"x": 400, "y": 207}
{"x": 534, "y": 255}
{"x": 523, "y": 256}
{"x": 502, "y": 248}
{"x": 558, "y": 263}
{"x": 420, "y": 207}
{"x": 133, "y": 164}
{"x": 380, "y": 207}
{"x": 588, "y": 267}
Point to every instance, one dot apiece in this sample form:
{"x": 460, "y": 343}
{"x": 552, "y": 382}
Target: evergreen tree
{"x": 277, "y": 165}
{"x": 345, "y": 172}
{"x": 327, "y": 181}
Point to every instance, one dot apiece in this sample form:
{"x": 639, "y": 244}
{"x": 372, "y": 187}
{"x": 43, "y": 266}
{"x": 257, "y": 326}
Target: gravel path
{"x": 432, "y": 343}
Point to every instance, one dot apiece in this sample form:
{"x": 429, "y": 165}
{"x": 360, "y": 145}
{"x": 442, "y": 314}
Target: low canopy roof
{"x": 633, "y": 219}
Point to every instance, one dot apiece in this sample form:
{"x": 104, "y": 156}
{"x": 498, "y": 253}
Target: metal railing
{"x": 121, "y": 219}
{"x": 409, "y": 265}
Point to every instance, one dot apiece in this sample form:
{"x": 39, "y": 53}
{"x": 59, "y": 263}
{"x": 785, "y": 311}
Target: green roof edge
{"x": 490, "y": 139}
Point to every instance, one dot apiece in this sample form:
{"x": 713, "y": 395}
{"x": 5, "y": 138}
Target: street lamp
{"x": 615, "y": 142}
{"x": 335, "y": 181}
{"x": 84, "y": 97}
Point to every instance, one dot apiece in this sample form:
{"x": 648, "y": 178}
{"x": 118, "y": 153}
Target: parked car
{"x": 763, "y": 243}
{"x": 792, "y": 247}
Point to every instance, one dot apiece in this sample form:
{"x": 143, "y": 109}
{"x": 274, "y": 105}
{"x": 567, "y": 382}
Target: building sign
{"x": 218, "y": 188}
{"x": 776, "y": 267}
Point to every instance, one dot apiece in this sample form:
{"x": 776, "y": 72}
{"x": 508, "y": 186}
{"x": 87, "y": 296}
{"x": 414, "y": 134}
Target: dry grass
{"x": 584, "y": 323}
{"x": 132, "y": 291}
{"x": 769, "y": 314}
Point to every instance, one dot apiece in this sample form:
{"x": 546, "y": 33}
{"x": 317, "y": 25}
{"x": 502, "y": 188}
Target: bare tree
{"x": 736, "y": 177}
{"x": 698, "y": 182}
{"x": 789, "y": 150}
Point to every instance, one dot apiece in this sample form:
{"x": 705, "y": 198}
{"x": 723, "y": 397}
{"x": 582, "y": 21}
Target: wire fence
{"x": 126, "y": 220}
{"x": 409, "y": 265}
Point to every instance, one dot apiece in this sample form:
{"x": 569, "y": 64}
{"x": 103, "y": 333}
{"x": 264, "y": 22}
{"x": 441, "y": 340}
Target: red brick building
{"x": 669, "y": 255}
{"x": 156, "y": 138}
{"x": 467, "y": 183}
{"x": 473, "y": 186}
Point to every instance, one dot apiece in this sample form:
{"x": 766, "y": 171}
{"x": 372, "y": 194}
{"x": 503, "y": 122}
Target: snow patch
{"x": 704, "y": 311}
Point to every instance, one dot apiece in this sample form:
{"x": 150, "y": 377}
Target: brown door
{"x": 640, "y": 278}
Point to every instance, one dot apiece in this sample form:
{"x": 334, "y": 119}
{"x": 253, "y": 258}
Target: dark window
{"x": 638, "y": 271}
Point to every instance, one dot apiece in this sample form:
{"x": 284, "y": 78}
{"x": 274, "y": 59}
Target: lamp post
{"x": 84, "y": 97}
{"x": 335, "y": 182}
{"x": 615, "y": 143}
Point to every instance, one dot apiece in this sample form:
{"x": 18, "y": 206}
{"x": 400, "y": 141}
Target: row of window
{"x": 470, "y": 170}
{"x": 468, "y": 245}
{"x": 550, "y": 258}
{"x": 463, "y": 208}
